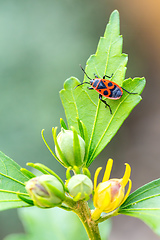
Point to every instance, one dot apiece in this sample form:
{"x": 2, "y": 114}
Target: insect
{"x": 105, "y": 87}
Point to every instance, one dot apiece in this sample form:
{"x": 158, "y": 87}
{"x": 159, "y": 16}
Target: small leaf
{"x": 144, "y": 204}
{"x": 85, "y": 105}
{"x": 12, "y": 181}
{"x": 63, "y": 125}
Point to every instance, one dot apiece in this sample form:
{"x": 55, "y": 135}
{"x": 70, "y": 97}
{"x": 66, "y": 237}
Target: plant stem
{"x": 83, "y": 212}
{"x": 91, "y": 226}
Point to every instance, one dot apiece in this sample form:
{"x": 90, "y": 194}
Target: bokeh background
{"x": 41, "y": 45}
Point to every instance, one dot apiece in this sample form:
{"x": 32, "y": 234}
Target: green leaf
{"x": 84, "y": 104}
{"x": 12, "y": 181}
{"x": 144, "y": 204}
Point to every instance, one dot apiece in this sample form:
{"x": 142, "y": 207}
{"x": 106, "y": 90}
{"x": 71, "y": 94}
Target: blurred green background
{"x": 42, "y": 43}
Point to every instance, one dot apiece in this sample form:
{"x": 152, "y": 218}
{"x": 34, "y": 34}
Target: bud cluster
{"x": 49, "y": 190}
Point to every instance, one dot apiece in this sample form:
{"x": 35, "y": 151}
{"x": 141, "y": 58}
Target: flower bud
{"x": 80, "y": 186}
{"x": 45, "y": 191}
{"x": 72, "y": 148}
{"x": 110, "y": 194}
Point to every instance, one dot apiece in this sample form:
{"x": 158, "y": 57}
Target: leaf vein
{"x": 9, "y": 191}
{"x": 146, "y": 190}
{"x": 13, "y": 179}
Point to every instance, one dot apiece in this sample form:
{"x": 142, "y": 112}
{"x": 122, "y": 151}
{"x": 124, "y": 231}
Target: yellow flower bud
{"x": 110, "y": 194}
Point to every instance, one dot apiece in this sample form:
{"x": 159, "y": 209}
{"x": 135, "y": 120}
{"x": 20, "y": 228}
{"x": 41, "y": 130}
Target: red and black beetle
{"x": 105, "y": 88}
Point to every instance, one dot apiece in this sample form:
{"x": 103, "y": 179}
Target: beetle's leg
{"x": 128, "y": 91}
{"x": 90, "y": 88}
{"x": 81, "y": 84}
{"x": 107, "y": 105}
{"x": 96, "y": 75}
{"x": 108, "y": 76}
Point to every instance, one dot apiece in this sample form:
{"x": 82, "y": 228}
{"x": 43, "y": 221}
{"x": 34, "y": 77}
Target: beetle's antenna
{"x": 81, "y": 84}
{"x": 84, "y": 72}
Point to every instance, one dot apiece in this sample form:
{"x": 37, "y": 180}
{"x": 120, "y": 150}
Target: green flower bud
{"x": 72, "y": 148}
{"x": 80, "y": 186}
{"x": 45, "y": 191}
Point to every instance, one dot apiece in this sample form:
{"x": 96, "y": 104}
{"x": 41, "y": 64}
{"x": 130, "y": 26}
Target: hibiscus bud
{"x": 80, "y": 187}
{"x": 109, "y": 195}
{"x": 46, "y": 191}
{"x": 70, "y": 148}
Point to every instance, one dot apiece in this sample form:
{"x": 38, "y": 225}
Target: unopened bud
{"x": 110, "y": 194}
{"x": 72, "y": 147}
{"x": 80, "y": 186}
{"x": 45, "y": 191}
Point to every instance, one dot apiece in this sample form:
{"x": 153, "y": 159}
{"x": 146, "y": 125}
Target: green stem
{"x": 107, "y": 216}
{"x": 83, "y": 212}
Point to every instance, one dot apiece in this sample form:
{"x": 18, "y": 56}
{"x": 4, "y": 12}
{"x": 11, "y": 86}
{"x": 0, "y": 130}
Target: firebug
{"x": 105, "y": 87}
